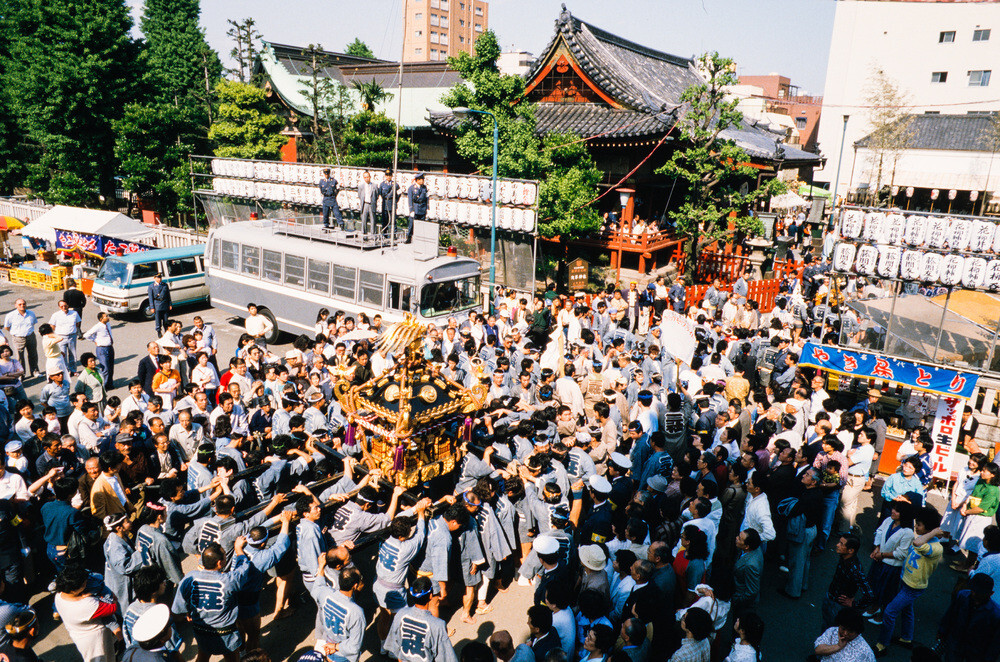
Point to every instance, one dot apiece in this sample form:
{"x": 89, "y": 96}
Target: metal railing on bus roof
{"x": 348, "y": 236}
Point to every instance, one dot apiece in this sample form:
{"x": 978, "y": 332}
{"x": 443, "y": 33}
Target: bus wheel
{"x": 146, "y": 312}
{"x": 272, "y": 337}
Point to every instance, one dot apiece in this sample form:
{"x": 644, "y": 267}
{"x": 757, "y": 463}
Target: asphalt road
{"x": 791, "y": 628}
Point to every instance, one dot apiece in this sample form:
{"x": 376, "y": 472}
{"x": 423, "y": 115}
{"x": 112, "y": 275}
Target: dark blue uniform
{"x": 159, "y": 301}
{"x": 328, "y": 187}
{"x": 416, "y": 195}
{"x": 388, "y": 192}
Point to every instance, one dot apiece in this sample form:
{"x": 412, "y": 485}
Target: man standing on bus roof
{"x": 388, "y": 190}
{"x": 328, "y": 187}
{"x": 368, "y": 195}
{"x": 416, "y": 195}
{"x": 159, "y": 301}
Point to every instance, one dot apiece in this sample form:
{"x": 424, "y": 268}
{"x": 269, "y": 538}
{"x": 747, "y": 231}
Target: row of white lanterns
{"x": 941, "y": 232}
{"x": 508, "y": 218}
{"x": 972, "y": 272}
{"x": 458, "y": 187}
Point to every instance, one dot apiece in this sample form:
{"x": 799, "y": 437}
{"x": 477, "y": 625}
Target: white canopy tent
{"x": 86, "y": 221}
{"x": 787, "y": 201}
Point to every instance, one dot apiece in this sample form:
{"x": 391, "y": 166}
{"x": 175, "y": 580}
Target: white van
{"x": 123, "y": 281}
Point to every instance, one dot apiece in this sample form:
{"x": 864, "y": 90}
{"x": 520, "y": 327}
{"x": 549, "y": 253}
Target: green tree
{"x": 891, "y": 130}
{"x": 368, "y": 141}
{"x": 330, "y": 104}
{"x": 485, "y": 88}
{"x": 69, "y": 73}
{"x": 244, "y": 34}
{"x": 712, "y": 169}
{"x": 13, "y": 156}
{"x": 569, "y": 186}
{"x": 371, "y": 94}
{"x": 151, "y": 146}
{"x": 245, "y": 126}
{"x": 358, "y": 48}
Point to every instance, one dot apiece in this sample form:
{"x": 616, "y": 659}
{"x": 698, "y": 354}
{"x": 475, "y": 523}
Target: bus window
{"x": 319, "y": 276}
{"x": 272, "y": 266}
{"x": 215, "y": 253}
{"x": 449, "y": 296}
{"x": 372, "y": 286}
{"x": 399, "y": 296}
{"x": 182, "y": 266}
{"x": 142, "y": 270}
{"x": 230, "y": 256}
{"x": 251, "y": 261}
{"x": 295, "y": 270}
{"x": 344, "y": 281}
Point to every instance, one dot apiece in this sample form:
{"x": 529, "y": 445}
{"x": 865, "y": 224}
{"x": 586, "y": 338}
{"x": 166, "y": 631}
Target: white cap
{"x": 151, "y": 624}
{"x": 621, "y": 460}
{"x": 545, "y": 544}
{"x": 600, "y": 484}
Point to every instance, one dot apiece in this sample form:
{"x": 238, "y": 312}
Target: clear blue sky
{"x": 791, "y": 37}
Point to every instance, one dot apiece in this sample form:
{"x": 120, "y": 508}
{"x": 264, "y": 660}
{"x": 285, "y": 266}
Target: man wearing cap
{"x": 597, "y": 525}
{"x": 121, "y": 561}
{"x": 328, "y": 188}
{"x": 209, "y": 597}
{"x": 416, "y": 635}
{"x": 416, "y": 196}
{"x": 622, "y": 486}
{"x": 151, "y": 636}
{"x": 315, "y": 419}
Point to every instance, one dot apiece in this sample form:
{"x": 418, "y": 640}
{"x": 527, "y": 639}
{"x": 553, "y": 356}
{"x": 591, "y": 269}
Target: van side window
{"x": 371, "y": 288}
{"x": 216, "y": 253}
{"x": 182, "y": 266}
{"x": 144, "y": 270}
{"x": 399, "y": 296}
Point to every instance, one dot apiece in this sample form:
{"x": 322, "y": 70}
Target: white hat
{"x": 600, "y": 484}
{"x": 621, "y": 460}
{"x": 583, "y": 437}
{"x": 545, "y": 544}
{"x": 592, "y": 556}
{"x": 151, "y": 624}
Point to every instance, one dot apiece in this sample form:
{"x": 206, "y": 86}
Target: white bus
{"x": 291, "y": 271}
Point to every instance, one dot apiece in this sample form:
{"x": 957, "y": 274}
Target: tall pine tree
{"x": 174, "y": 112}
{"x": 69, "y": 71}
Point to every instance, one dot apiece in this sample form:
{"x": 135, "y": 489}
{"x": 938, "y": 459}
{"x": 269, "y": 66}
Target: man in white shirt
{"x": 208, "y": 339}
{"x": 186, "y": 434}
{"x": 700, "y": 510}
{"x": 91, "y": 428}
{"x": 20, "y": 327}
{"x": 568, "y": 391}
{"x": 66, "y": 324}
{"x": 860, "y": 459}
{"x": 100, "y": 335}
{"x": 257, "y": 325}
{"x": 758, "y": 510}
{"x": 12, "y": 485}
{"x": 818, "y": 397}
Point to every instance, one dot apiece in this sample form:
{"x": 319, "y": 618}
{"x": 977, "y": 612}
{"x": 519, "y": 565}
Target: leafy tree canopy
{"x": 368, "y": 141}
{"x": 245, "y": 127}
{"x": 716, "y": 173}
{"x": 358, "y": 48}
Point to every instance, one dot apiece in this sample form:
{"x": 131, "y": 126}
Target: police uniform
{"x": 210, "y": 598}
{"x": 132, "y": 614}
{"x": 328, "y": 187}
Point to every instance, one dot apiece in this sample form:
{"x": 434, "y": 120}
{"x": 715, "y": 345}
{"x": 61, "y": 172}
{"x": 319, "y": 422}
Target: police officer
{"x": 597, "y": 526}
{"x": 416, "y": 195}
{"x": 388, "y": 191}
{"x": 328, "y": 187}
{"x": 159, "y": 300}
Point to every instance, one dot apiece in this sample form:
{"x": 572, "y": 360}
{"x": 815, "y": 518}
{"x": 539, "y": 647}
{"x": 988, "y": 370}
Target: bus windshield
{"x": 113, "y": 272}
{"x": 448, "y": 296}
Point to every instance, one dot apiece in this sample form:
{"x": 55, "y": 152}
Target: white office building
{"x": 942, "y": 53}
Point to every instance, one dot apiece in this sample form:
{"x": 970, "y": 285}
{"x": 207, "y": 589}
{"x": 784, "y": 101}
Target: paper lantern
{"x": 931, "y": 270}
{"x": 463, "y": 212}
{"x": 867, "y": 260}
{"x": 873, "y": 227}
{"x": 530, "y": 194}
{"x": 937, "y": 232}
{"x": 959, "y": 234}
{"x": 910, "y": 265}
{"x": 992, "y": 279}
{"x": 888, "y": 262}
{"x": 485, "y": 186}
{"x": 843, "y": 257}
{"x": 916, "y": 230}
{"x": 974, "y": 273}
{"x": 893, "y": 228}
{"x": 952, "y": 268}
{"x": 451, "y": 186}
{"x": 851, "y": 224}
{"x": 980, "y": 236}
{"x": 529, "y": 220}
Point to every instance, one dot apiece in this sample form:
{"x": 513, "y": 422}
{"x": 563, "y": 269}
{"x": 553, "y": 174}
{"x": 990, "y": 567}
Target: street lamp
{"x": 462, "y": 112}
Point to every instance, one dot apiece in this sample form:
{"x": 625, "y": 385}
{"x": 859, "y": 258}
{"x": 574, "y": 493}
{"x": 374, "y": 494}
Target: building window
{"x": 435, "y": 4}
{"x": 418, "y": 51}
{"x": 434, "y": 37}
{"x": 444, "y": 5}
{"x": 932, "y": 112}
{"x": 434, "y": 19}
{"x": 979, "y": 78}
{"x": 939, "y": 77}
{"x": 434, "y": 54}
{"x": 479, "y": 11}
{"x": 800, "y": 122}
{"x": 419, "y": 33}
{"x": 980, "y": 112}
{"x": 461, "y": 6}
{"x": 418, "y": 17}
{"x": 946, "y": 37}
{"x": 461, "y": 23}
{"x": 980, "y": 35}
{"x": 444, "y": 21}
{"x": 461, "y": 39}
{"x": 479, "y": 27}
{"x": 444, "y": 38}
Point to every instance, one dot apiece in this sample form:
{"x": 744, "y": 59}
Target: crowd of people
{"x": 604, "y": 474}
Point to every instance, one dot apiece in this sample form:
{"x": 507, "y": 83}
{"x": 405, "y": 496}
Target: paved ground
{"x": 791, "y": 625}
